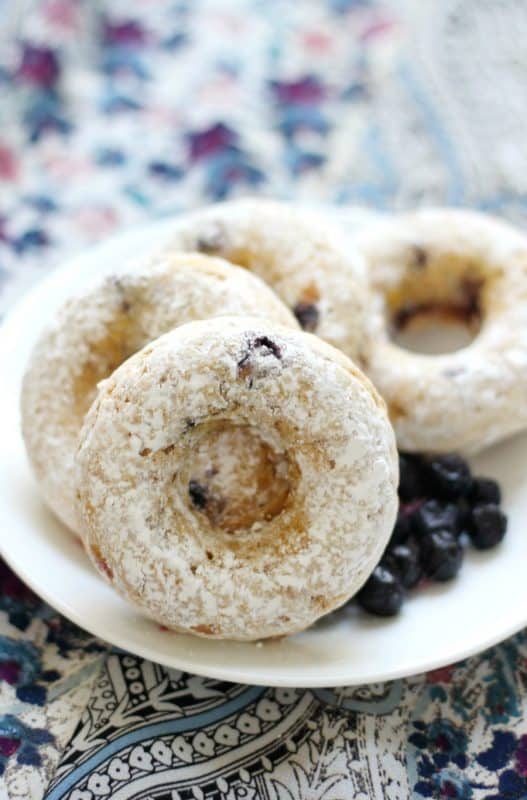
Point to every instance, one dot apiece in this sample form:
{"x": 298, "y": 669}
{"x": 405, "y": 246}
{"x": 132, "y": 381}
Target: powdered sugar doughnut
{"x": 475, "y": 267}
{"x": 96, "y": 331}
{"x": 237, "y": 479}
{"x": 317, "y": 273}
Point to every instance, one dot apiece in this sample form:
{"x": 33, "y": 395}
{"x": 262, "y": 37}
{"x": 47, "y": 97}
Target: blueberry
{"x": 441, "y": 555}
{"x": 465, "y": 514}
{"x": 402, "y": 528}
{"x": 484, "y": 490}
{"x": 198, "y": 494}
{"x": 308, "y": 316}
{"x": 382, "y": 594}
{"x": 448, "y": 476}
{"x": 403, "y": 561}
{"x": 411, "y": 486}
{"x": 489, "y": 525}
{"x": 435, "y": 515}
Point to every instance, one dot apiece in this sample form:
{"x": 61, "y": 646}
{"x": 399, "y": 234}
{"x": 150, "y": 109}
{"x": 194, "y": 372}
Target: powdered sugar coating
{"x": 308, "y": 262}
{"x": 306, "y": 401}
{"x": 475, "y": 396}
{"x": 98, "y": 329}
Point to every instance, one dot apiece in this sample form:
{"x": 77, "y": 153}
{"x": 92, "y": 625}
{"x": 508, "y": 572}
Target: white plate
{"x": 438, "y": 625}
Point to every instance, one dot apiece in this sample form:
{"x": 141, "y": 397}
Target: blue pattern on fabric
{"x": 115, "y": 113}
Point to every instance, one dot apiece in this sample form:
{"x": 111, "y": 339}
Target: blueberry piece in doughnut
{"x": 263, "y": 344}
{"x": 419, "y": 256}
{"x": 125, "y": 303}
{"x": 307, "y": 315}
{"x": 441, "y": 555}
{"x": 382, "y": 594}
{"x": 448, "y": 476}
{"x": 266, "y": 344}
{"x": 212, "y": 240}
{"x": 489, "y": 525}
{"x": 198, "y": 494}
{"x": 485, "y": 490}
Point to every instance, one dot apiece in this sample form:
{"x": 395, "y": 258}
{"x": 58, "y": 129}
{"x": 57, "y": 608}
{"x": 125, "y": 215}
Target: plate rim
{"x": 231, "y": 674}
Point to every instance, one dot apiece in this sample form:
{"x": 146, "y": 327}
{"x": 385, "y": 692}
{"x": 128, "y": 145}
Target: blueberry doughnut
{"x": 307, "y": 261}
{"x": 473, "y": 267}
{"x": 237, "y": 479}
{"x": 96, "y": 331}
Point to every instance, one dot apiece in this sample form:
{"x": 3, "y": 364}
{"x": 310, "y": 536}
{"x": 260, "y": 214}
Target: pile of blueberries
{"x": 442, "y": 509}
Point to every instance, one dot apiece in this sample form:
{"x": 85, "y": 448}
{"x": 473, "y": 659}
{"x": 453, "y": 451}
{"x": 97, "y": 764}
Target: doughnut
{"x": 460, "y": 264}
{"x": 97, "y": 330}
{"x": 308, "y": 262}
{"x": 237, "y": 479}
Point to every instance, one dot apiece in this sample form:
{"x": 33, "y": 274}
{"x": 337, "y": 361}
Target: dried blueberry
{"x": 265, "y": 343}
{"x": 435, "y": 515}
{"x": 419, "y": 256}
{"x": 484, "y": 490}
{"x": 382, "y": 594}
{"x": 411, "y": 485}
{"x": 465, "y": 514}
{"x": 402, "y": 528}
{"x": 441, "y": 555}
{"x": 403, "y": 561}
{"x": 489, "y": 525}
{"x": 198, "y": 494}
{"x": 212, "y": 240}
{"x": 307, "y": 315}
{"x": 448, "y": 476}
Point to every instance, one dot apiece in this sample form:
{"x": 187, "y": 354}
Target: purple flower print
{"x": 521, "y": 756}
{"x": 210, "y": 141}
{"x": 304, "y": 91}
{"x": 18, "y": 739}
{"x": 39, "y": 66}
{"x": 127, "y": 32}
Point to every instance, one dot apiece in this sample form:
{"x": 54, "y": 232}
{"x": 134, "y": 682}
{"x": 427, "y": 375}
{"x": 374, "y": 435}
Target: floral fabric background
{"x": 113, "y": 113}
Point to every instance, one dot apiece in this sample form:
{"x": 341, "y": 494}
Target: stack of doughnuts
{"x": 207, "y": 421}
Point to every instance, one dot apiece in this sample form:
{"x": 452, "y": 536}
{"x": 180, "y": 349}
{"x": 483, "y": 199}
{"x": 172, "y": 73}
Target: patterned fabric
{"x": 113, "y": 113}
{"x": 47, "y": 670}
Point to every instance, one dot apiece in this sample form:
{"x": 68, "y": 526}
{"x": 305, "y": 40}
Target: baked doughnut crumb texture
{"x": 95, "y": 331}
{"x": 182, "y": 544}
{"x": 304, "y": 258}
{"x": 472, "y": 265}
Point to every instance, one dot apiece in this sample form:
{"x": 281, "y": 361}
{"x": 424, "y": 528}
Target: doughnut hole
{"x": 438, "y": 304}
{"x": 235, "y": 478}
